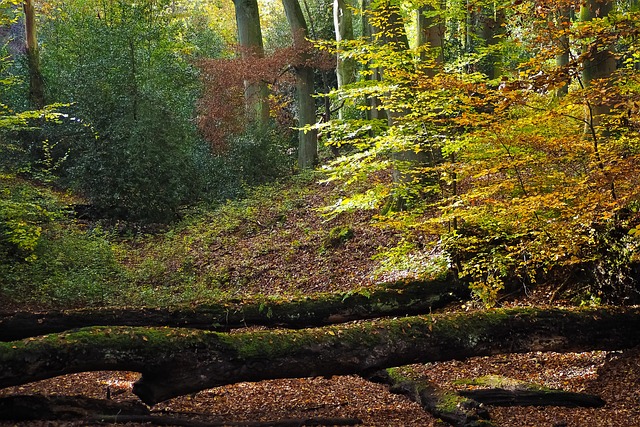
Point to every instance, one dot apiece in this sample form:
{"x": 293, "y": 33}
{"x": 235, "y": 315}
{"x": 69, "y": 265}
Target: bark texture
{"x": 36, "y": 81}
{"x": 502, "y": 397}
{"x": 397, "y": 299}
{"x": 250, "y": 40}
{"x": 175, "y": 362}
{"x": 308, "y": 139}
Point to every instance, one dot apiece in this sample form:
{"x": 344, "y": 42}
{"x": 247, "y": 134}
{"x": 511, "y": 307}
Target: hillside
{"x": 277, "y": 243}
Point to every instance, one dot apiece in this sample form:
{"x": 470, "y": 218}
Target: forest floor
{"x": 282, "y": 247}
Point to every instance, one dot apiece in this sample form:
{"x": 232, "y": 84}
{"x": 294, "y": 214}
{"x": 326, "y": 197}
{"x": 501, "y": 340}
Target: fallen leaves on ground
{"x": 614, "y": 376}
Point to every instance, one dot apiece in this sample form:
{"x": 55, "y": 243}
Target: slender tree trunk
{"x": 392, "y": 33}
{"x": 343, "y": 25}
{"x": 36, "y": 81}
{"x": 308, "y": 139}
{"x": 430, "y": 32}
{"x": 492, "y": 28}
{"x": 562, "y": 60}
{"x": 374, "y": 111}
{"x": 599, "y": 62}
{"x": 250, "y": 40}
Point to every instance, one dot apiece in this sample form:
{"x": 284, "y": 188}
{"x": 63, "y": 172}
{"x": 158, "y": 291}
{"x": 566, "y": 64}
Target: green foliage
{"x": 409, "y": 259}
{"x": 24, "y": 211}
{"x": 253, "y": 158}
{"x": 44, "y": 258}
{"x": 71, "y": 269}
{"x": 506, "y": 174}
{"x": 337, "y": 236}
{"x": 127, "y": 69}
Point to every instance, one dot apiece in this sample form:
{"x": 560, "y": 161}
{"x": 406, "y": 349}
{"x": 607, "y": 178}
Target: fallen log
{"x": 442, "y": 404}
{"x": 502, "y": 397}
{"x": 504, "y": 391}
{"x": 394, "y": 299}
{"x": 89, "y": 410}
{"x": 175, "y": 362}
{"x": 38, "y": 407}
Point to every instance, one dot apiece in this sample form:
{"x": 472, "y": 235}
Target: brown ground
{"x": 265, "y": 256}
{"x": 613, "y": 376}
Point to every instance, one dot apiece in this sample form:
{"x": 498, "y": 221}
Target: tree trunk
{"x": 502, "y": 397}
{"x": 308, "y": 139}
{"x": 36, "y": 81}
{"x": 343, "y": 25}
{"x": 492, "y": 28}
{"x": 374, "y": 112}
{"x": 399, "y": 299}
{"x": 175, "y": 362}
{"x": 430, "y": 32}
{"x": 250, "y": 40}
{"x": 562, "y": 59}
{"x": 599, "y": 62}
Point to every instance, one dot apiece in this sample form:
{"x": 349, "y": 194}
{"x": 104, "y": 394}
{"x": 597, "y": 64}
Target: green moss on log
{"x": 176, "y": 361}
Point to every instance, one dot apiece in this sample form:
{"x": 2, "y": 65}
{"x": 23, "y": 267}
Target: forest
{"x": 320, "y": 212}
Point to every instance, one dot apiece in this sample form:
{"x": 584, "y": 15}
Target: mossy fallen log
{"x": 394, "y": 299}
{"x": 504, "y": 391}
{"x": 176, "y": 361}
{"x": 503, "y": 397}
{"x": 442, "y": 404}
{"x": 100, "y": 411}
{"x": 38, "y": 407}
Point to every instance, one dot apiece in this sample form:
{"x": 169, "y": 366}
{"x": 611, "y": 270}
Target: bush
{"x": 70, "y": 269}
{"x": 24, "y": 211}
{"x": 253, "y": 158}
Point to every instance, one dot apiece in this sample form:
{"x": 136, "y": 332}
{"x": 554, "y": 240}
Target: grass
{"x": 271, "y": 243}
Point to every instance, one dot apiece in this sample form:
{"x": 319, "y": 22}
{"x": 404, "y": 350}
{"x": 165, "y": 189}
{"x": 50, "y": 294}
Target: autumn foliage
{"x": 529, "y": 183}
{"x": 221, "y": 108}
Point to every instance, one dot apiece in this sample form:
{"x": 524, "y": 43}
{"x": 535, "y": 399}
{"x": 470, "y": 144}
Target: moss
{"x": 468, "y": 329}
{"x": 449, "y": 402}
{"x": 337, "y": 236}
{"x": 497, "y": 381}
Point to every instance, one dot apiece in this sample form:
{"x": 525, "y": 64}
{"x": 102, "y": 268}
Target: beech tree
{"x": 515, "y": 164}
{"x": 343, "y": 25}
{"x": 308, "y": 138}
{"x": 36, "y": 81}
{"x": 250, "y": 40}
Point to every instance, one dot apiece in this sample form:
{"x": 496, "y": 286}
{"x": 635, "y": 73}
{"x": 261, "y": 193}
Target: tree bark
{"x": 397, "y": 299}
{"x": 308, "y": 139}
{"x": 599, "y": 61}
{"x": 430, "y": 32}
{"x": 343, "y": 25}
{"x": 175, "y": 362}
{"x": 250, "y": 40}
{"x": 502, "y": 397}
{"x": 492, "y": 29}
{"x": 36, "y": 81}
{"x": 562, "y": 59}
